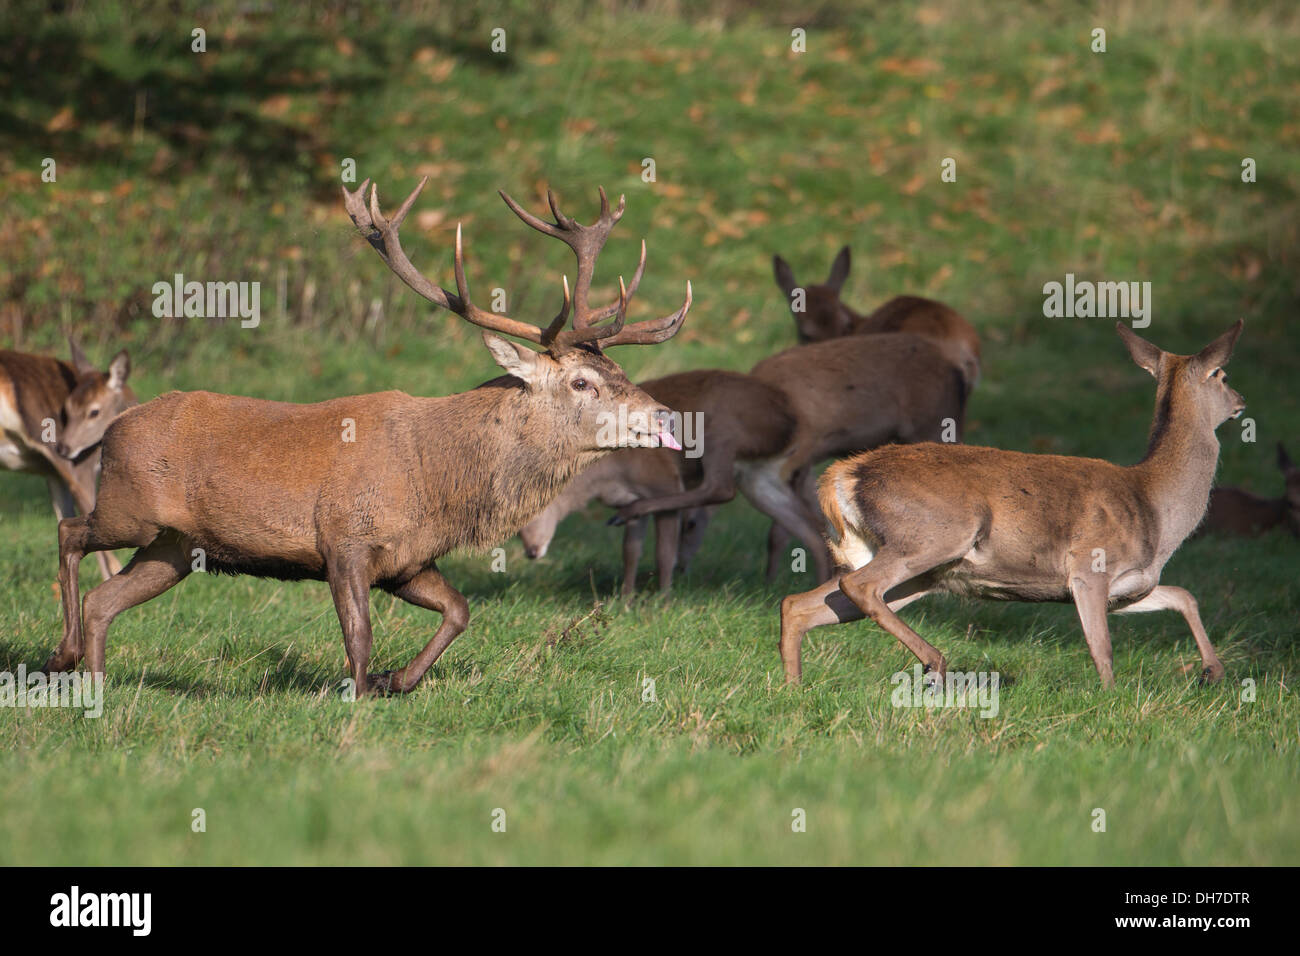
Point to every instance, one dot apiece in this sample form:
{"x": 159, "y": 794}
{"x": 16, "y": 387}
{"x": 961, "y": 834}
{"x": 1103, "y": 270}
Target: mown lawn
{"x": 222, "y": 694}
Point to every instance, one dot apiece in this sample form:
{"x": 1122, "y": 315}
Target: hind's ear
{"x": 118, "y": 370}
{"x": 1216, "y": 354}
{"x": 784, "y": 276}
{"x": 839, "y": 270}
{"x": 1145, "y": 354}
{"x": 79, "y": 360}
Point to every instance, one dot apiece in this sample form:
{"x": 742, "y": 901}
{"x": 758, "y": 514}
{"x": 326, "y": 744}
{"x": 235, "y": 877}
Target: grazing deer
{"x": 748, "y": 428}
{"x": 824, "y": 316}
{"x": 1237, "y": 512}
{"x": 914, "y": 520}
{"x": 367, "y": 491}
{"x": 847, "y": 395}
{"x": 52, "y": 417}
{"x": 856, "y": 393}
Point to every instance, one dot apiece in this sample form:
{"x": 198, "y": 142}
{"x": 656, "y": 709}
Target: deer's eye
{"x": 580, "y": 385}
{"x": 94, "y": 413}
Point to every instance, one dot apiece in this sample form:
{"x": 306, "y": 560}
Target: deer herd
{"x": 197, "y": 480}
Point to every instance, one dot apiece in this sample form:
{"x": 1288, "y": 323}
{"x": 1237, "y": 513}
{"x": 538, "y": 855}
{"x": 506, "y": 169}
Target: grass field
{"x": 222, "y": 694}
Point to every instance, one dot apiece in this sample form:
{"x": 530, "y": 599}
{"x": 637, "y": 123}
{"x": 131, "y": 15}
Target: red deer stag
{"x": 52, "y": 417}
{"x": 747, "y": 430}
{"x": 907, "y": 521}
{"x": 1234, "y": 511}
{"x": 824, "y": 316}
{"x": 277, "y": 490}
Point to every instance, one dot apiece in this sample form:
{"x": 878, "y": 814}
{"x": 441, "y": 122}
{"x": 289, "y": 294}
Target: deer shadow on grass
{"x": 288, "y": 673}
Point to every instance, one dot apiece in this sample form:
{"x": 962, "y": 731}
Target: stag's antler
{"x": 585, "y": 241}
{"x": 382, "y": 234}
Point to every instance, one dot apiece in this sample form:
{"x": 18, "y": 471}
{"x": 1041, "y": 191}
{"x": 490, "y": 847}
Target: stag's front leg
{"x": 430, "y": 590}
{"x": 350, "y": 587}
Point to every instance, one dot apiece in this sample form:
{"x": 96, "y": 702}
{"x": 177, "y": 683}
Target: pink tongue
{"x": 667, "y": 440}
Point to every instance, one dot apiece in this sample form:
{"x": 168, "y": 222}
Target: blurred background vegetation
{"x": 226, "y": 164}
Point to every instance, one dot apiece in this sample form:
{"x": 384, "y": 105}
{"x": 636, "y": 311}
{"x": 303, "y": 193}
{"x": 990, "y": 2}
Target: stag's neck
{"x": 496, "y": 452}
{"x": 1178, "y": 470}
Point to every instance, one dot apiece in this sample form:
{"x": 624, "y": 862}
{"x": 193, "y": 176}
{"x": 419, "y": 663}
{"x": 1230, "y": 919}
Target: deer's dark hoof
{"x": 382, "y": 684}
{"x": 1212, "y": 674}
{"x": 936, "y": 677}
{"x": 57, "y": 664}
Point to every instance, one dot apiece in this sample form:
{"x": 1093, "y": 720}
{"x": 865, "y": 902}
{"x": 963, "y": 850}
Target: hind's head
{"x": 818, "y": 312}
{"x": 96, "y": 399}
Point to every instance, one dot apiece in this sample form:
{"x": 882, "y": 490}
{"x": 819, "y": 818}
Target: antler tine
{"x": 563, "y": 221}
{"x": 585, "y": 241}
{"x": 604, "y": 313}
{"x": 541, "y": 225}
{"x": 651, "y": 331}
{"x": 598, "y": 334}
{"x": 382, "y": 234}
{"x": 557, "y": 324}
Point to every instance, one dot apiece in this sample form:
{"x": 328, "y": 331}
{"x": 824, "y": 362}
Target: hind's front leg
{"x": 1167, "y": 598}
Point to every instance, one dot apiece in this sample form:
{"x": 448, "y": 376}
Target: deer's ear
{"x": 1283, "y": 459}
{"x": 839, "y": 270}
{"x": 1143, "y": 352}
{"x": 519, "y": 361}
{"x": 118, "y": 370}
{"x": 784, "y": 276}
{"x": 1216, "y": 354}
{"x": 79, "y": 360}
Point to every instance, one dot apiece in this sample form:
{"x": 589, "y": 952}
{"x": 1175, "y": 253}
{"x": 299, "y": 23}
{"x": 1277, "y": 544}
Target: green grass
{"x": 222, "y": 693}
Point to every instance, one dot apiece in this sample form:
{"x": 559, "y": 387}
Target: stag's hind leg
{"x": 74, "y": 541}
{"x": 1168, "y": 598}
{"x": 153, "y": 569}
{"x": 79, "y": 536}
{"x": 430, "y": 590}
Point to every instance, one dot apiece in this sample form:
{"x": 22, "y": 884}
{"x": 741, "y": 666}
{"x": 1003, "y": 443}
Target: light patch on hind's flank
{"x": 854, "y": 550}
{"x": 14, "y": 445}
{"x": 10, "y": 419}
